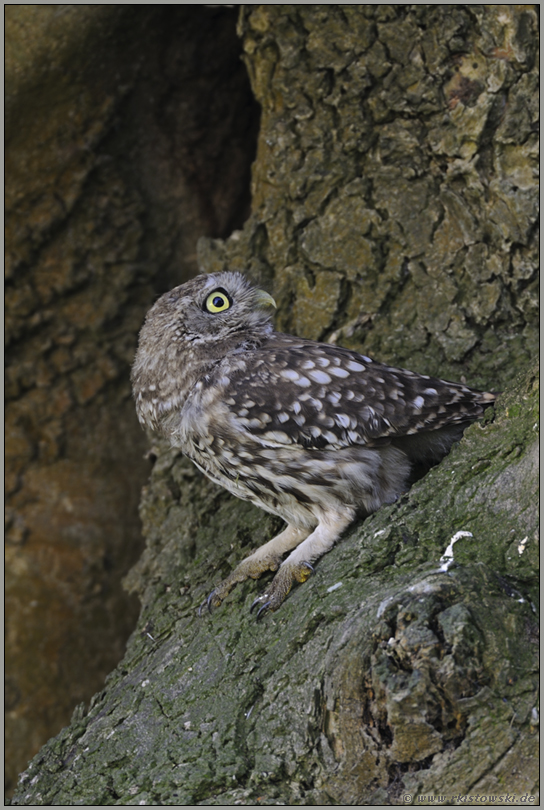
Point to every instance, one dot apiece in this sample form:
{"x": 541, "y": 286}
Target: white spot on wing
{"x": 353, "y": 366}
{"x": 418, "y": 403}
{"x": 339, "y": 372}
{"x": 277, "y": 436}
{"x": 319, "y": 376}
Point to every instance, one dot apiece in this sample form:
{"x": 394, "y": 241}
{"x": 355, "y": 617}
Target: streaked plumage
{"x": 309, "y": 431}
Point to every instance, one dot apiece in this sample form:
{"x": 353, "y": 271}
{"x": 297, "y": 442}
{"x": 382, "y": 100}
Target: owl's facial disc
{"x": 226, "y": 304}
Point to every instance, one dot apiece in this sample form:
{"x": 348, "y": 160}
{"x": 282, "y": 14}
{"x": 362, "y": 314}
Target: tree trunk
{"x": 394, "y": 209}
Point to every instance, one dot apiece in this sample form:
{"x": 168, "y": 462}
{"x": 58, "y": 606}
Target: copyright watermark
{"x": 468, "y": 798}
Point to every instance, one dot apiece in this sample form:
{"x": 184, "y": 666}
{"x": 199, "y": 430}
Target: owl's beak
{"x": 264, "y": 300}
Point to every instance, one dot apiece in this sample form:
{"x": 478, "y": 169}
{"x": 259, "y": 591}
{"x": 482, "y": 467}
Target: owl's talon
{"x": 208, "y": 603}
{"x": 264, "y": 609}
{"x": 254, "y": 605}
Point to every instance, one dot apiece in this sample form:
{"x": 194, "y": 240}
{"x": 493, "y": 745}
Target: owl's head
{"x": 187, "y": 331}
{"x": 209, "y": 309}
{"x": 198, "y": 322}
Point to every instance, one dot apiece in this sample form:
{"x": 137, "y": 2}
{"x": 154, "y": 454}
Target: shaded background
{"x": 130, "y": 132}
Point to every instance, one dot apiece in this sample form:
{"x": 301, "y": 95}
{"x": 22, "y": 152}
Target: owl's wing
{"x": 293, "y": 391}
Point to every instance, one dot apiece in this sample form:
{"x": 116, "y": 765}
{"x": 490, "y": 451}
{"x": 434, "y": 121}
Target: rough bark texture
{"x": 129, "y": 134}
{"x": 394, "y": 207}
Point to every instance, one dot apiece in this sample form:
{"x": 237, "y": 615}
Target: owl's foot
{"x": 265, "y": 558}
{"x": 250, "y": 567}
{"x": 281, "y": 585}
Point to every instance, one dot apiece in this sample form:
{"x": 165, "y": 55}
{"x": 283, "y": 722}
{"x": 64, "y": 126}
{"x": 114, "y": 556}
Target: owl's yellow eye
{"x": 217, "y": 301}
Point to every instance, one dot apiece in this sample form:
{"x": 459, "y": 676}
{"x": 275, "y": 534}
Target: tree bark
{"x": 394, "y": 209}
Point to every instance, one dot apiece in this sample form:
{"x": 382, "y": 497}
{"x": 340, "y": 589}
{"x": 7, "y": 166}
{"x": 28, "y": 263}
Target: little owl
{"x": 312, "y": 432}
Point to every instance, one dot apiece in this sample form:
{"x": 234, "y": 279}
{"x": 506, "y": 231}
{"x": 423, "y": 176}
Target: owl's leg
{"x": 297, "y": 567}
{"x": 265, "y": 558}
